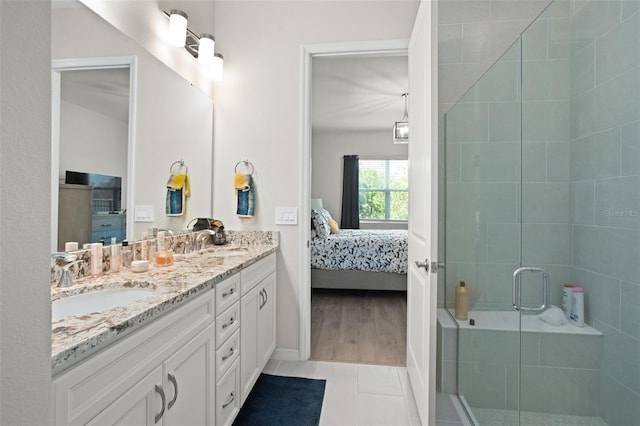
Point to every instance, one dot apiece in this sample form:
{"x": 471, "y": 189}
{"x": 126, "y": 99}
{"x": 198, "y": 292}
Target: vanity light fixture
{"x": 206, "y": 49}
{"x": 401, "y": 128}
{"x": 216, "y": 67}
{"x": 177, "y": 27}
{"x": 202, "y": 48}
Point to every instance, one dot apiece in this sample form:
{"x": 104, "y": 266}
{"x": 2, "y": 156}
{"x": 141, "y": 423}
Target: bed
{"x": 357, "y": 258}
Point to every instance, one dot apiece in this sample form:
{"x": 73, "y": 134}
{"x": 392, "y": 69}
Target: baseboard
{"x": 282, "y": 354}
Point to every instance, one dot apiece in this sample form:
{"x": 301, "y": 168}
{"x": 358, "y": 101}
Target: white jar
{"x": 577, "y": 307}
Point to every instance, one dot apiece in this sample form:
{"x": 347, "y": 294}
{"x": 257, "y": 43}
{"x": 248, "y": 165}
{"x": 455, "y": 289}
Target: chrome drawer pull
{"x": 229, "y": 400}
{"x": 164, "y": 400}
{"x": 229, "y": 355}
{"x": 173, "y": 380}
{"x": 229, "y": 324}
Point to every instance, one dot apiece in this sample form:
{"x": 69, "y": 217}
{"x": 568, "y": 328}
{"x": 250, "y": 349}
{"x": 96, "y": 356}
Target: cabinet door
{"x": 189, "y": 381}
{"x": 267, "y": 321}
{"x": 138, "y": 406}
{"x": 249, "y": 369}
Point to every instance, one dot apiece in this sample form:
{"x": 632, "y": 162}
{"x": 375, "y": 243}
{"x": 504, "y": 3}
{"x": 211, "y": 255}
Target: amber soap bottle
{"x": 462, "y": 302}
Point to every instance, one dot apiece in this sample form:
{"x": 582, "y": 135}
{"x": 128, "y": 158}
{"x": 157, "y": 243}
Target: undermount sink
{"x": 96, "y": 301}
{"x": 228, "y": 252}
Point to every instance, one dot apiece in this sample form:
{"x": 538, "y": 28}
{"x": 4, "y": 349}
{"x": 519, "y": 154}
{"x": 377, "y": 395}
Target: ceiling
{"x": 105, "y": 91}
{"x": 358, "y": 92}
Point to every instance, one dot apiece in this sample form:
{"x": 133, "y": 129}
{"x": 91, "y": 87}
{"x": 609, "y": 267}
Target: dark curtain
{"x": 350, "y": 208}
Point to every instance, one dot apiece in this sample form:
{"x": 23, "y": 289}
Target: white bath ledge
{"x": 508, "y": 321}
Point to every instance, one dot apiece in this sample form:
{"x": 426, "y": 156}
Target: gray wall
{"x": 25, "y": 194}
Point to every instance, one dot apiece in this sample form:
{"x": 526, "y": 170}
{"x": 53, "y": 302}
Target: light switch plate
{"x": 286, "y": 215}
{"x": 144, "y": 214}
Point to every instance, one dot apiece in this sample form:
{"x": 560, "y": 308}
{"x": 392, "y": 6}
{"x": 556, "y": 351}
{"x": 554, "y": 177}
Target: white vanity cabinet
{"x": 258, "y": 319}
{"x": 163, "y": 374}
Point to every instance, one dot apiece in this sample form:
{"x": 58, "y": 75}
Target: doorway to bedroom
{"x": 358, "y": 242}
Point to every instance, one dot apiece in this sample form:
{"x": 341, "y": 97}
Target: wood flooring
{"x": 359, "y": 326}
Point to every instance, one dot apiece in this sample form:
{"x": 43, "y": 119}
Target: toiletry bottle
{"x": 127, "y": 255}
{"x": 152, "y": 249}
{"x": 567, "y": 290}
{"x": 116, "y": 260}
{"x": 96, "y": 259}
{"x": 577, "y": 307}
{"x": 160, "y": 238}
{"x": 462, "y": 302}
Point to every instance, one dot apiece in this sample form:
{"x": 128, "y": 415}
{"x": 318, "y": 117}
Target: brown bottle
{"x": 462, "y": 302}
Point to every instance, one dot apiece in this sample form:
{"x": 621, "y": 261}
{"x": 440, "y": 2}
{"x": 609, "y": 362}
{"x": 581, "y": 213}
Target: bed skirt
{"x": 357, "y": 280}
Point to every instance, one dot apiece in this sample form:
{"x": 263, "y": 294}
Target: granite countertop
{"x": 76, "y": 337}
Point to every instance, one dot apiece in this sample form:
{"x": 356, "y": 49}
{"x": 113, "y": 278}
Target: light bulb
{"x": 177, "y": 28}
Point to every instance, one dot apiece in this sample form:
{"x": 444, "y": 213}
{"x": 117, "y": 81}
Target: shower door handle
{"x": 516, "y": 289}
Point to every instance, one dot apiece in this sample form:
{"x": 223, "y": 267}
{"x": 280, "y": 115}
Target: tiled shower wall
{"x": 605, "y": 191}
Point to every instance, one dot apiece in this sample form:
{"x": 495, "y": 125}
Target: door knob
{"x": 424, "y": 264}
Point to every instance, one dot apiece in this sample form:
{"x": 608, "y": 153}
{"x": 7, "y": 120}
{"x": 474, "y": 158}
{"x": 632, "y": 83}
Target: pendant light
{"x": 401, "y": 128}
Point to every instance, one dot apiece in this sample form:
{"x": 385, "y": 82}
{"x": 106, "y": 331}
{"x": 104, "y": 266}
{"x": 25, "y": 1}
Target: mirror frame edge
{"x": 59, "y": 65}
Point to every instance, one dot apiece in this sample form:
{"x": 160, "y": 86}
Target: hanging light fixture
{"x": 401, "y": 128}
{"x": 206, "y": 49}
{"x": 177, "y": 27}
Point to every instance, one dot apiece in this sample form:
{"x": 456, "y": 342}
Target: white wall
{"x": 174, "y": 118}
{"x": 328, "y": 149}
{"x": 259, "y": 108}
{"x": 25, "y": 182}
{"x": 82, "y": 131}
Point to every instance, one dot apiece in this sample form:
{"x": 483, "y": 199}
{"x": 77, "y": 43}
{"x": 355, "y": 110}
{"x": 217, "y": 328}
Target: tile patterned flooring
{"x": 366, "y": 395}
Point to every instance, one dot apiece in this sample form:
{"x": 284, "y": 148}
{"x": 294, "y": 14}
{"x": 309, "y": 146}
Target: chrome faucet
{"x": 201, "y": 241}
{"x": 65, "y": 278}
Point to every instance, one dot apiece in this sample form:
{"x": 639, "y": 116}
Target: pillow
{"x": 333, "y": 226}
{"x": 320, "y": 224}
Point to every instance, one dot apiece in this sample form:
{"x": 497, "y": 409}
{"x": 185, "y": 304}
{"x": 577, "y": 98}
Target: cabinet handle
{"x": 229, "y": 400}
{"x": 229, "y": 355}
{"x": 164, "y": 400}
{"x": 229, "y": 324}
{"x": 229, "y": 293}
{"x": 265, "y": 296}
{"x": 172, "y": 379}
{"x": 261, "y": 299}
{"x": 106, "y": 224}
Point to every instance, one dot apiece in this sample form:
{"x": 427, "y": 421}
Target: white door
{"x": 423, "y": 210}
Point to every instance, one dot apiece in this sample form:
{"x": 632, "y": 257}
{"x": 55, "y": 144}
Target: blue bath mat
{"x": 283, "y": 401}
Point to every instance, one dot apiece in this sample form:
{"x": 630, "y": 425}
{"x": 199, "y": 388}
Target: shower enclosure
{"x": 542, "y": 188}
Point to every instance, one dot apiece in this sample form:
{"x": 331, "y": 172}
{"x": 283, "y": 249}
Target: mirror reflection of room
{"x": 94, "y": 117}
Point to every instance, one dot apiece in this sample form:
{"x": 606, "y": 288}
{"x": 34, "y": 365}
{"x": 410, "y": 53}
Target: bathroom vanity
{"x": 189, "y": 353}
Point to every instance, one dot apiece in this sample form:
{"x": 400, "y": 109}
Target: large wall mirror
{"x": 121, "y": 115}
{"x": 93, "y": 139}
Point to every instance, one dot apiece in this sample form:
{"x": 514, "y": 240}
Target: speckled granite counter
{"x": 75, "y": 338}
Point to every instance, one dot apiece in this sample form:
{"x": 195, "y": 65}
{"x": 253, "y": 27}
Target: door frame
{"x": 308, "y": 52}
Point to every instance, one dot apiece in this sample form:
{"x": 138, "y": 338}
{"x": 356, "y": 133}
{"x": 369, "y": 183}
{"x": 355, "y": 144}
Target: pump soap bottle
{"x": 462, "y": 302}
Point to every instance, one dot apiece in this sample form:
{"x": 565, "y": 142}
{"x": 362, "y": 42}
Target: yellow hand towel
{"x": 242, "y": 182}
{"x": 180, "y": 181}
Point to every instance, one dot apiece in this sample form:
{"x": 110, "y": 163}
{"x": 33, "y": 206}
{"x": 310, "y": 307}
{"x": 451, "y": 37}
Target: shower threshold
{"x": 496, "y": 417}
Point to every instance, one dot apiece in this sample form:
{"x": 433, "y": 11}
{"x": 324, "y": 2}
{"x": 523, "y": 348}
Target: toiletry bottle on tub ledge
{"x": 462, "y": 302}
{"x": 577, "y": 307}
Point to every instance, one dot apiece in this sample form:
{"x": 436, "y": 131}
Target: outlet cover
{"x": 286, "y": 215}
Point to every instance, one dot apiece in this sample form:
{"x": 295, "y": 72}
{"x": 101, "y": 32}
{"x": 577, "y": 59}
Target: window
{"x": 383, "y": 192}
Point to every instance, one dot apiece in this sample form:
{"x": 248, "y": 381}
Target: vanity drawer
{"x": 227, "y": 354}
{"x": 227, "y": 323}
{"x": 227, "y": 293}
{"x": 228, "y": 396}
{"x": 253, "y": 274}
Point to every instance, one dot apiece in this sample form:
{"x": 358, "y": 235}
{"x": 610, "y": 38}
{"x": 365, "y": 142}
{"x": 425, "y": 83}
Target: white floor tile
{"x": 340, "y": 405}
{"x": 271, "y": 367}
{"x": 298, "y": 369}
{"x": 381, "y": 410}
{"x": 380, "y": 380}
{"x": 328, "y": 370}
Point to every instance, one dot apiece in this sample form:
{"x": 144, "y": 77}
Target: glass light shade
{"x": 205, "y": 49}
{"x": 216, "y": 67}
{"x": 177, "y": 27}
{"x": 401, "y": 132}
